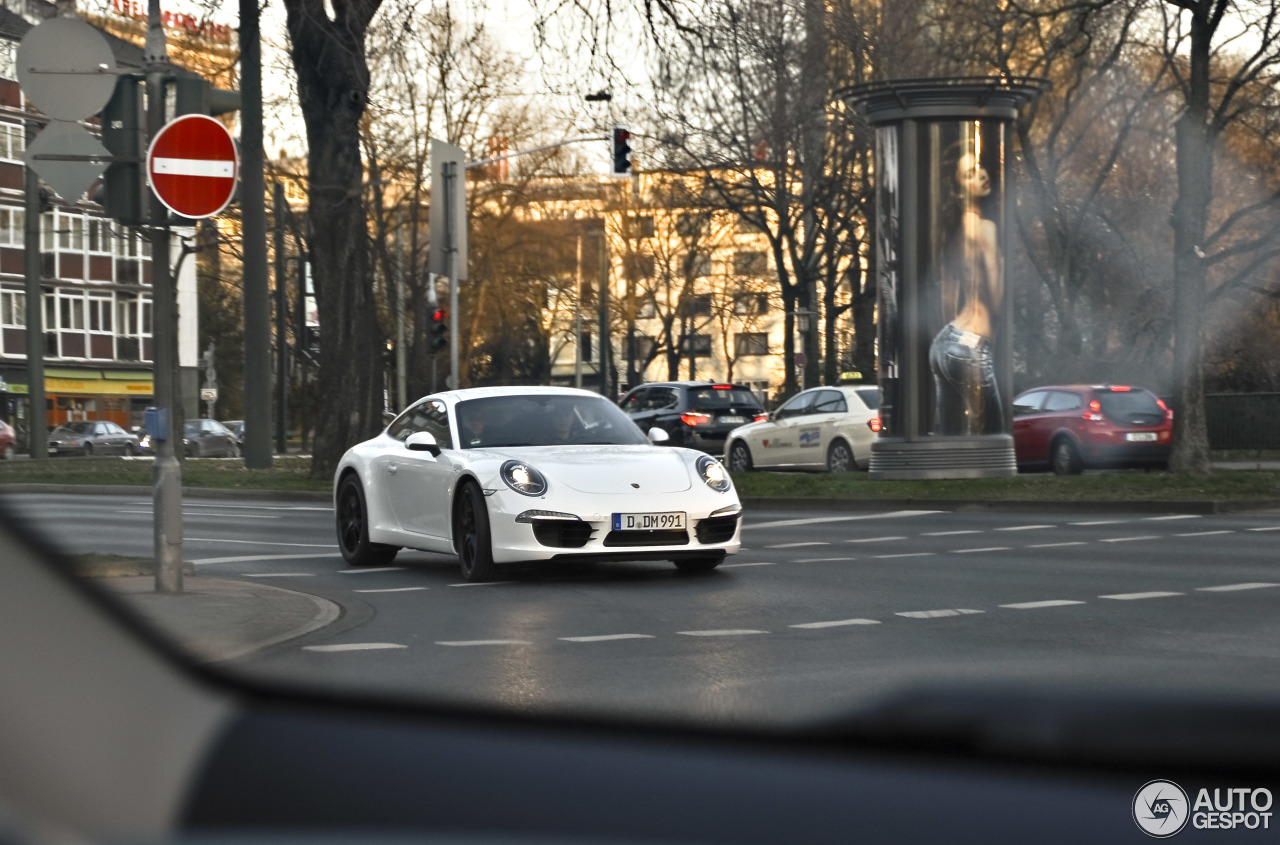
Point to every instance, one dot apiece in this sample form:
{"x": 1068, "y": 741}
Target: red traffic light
{"x": 439, "y": 315}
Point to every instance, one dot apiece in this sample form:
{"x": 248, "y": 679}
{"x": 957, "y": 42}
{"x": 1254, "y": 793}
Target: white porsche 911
{"x": 507, "y": 474}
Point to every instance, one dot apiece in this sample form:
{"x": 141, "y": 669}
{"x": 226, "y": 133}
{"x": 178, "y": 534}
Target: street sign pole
{"x": 167, "y": 475}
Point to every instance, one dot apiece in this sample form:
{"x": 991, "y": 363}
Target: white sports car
{"x": 504, "y": 474}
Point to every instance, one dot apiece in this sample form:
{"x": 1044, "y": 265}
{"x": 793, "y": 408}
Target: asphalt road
{"x": 819, "y": 613}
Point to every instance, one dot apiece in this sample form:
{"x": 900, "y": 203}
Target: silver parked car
{"x": 209, "y": 439}
{"x": 92, "y": 437}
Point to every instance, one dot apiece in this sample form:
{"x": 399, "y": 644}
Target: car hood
{"x": 609, "y": 469}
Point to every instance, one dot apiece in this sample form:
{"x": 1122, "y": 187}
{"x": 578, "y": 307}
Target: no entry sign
{"x": 193, "y": 165}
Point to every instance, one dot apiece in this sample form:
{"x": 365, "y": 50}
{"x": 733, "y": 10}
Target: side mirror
{"x": 423, "y": 441}
{"x": 659, "y": 436}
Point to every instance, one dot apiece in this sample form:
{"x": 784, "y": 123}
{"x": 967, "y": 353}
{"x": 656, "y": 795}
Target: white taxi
{"x": 823, "y": 428}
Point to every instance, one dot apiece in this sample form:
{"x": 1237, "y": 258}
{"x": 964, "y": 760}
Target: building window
{"x": 750, "y": 304}
{"x": 697, "y": 345}
{"x": 64, "y": 232}
{"x": 13, "y": 140}
{"x": 746, "y": 226}
{"x": 13, "y": 309}
{"x": 638, "y": 227}
{"x": 12, "y": 225}
{"x": 750, "y": 263}
{"x": 751, "y": 343}
{"x": 692, "y": 224}
{"x": 647, "y": 309}
{"x": 698, "y": 264}
{"x": 71, "y": 312}
{"x": 643, "y": 347}
{"x": 584, "y": 346}
{"x": 100, "y": 314}
{"x": 100, "y": 236}
{"x": 638, "y": 266}
{"x": 697, "y": 305}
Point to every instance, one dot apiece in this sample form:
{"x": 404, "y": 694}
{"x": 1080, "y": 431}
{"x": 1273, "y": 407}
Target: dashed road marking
{"x": 1204, "y": 533}
{"x": 732, "y": 565}
{"x": 1171, "y": 517}
{"x": 1101, "y": 522}
{"x": 987, "y": 549}
{"x": 904, "y": 554}
{"x": 464, "y": 643}
{"x": 824, "y": 559}
{"x": 1057, "y": 545}
{"x": 819, "y": 520}
{"x": 1227, "y": 588}
{"x": 875, "y": 539}
{"x": 726, "y": 632}
{"x": 938, "y": 614}
{"x": 1267, "y": 528}
{"x": 352, "y": 647}
{"x": 375, "y": 569}
{"x": 482, "y": 583}
{"x": 949, "y": 533}
{"x": 258, "y": 543}
{"x": 1025, "y": 527}
{"x": 837, "y": 624}
{"x": 608, "y": 637}
{"x": 257, "y": 558}
{"x": 797, "y": 545}
{"x": 392, "y": 590}
{"x": 1135, "y": 596}
{"x": 1128, "y": 539}
{"x": 279, "y": 574}
{"x": 1036, "y": 605}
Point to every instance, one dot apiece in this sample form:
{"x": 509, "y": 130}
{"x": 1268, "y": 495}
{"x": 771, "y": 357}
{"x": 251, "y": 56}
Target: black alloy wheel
{"x": 88, "y": 450}
{"x": 739, "y": 457}
{"x": 1065, "y": 458}
{"x": 839, "y": 457}
{"x": 353, "y": 528}
{"x": 471, "y": 536}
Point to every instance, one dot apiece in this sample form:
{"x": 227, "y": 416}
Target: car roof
{"x": 1084, "y": 387}
{"x": 465, "y": 393}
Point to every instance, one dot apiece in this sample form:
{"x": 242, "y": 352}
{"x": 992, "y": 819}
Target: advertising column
{"x": 944, "y": 317}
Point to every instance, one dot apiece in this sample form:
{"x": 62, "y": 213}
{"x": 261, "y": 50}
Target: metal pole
{"x": 257, "y": 295}
{"x": 577, "y": 320}
{"x": 451, "y": 176}
{"x": 37, "y": 418}
{"x": 167, "y": 475}
{"x": 401, "y": 359}
{"x": 606, "y": 344}
{"x": 282, "y": 345}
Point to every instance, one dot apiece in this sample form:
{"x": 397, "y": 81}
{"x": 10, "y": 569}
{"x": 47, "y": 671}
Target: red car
{"x": 1069, "y": 427}
{"x": 7, "y": 441}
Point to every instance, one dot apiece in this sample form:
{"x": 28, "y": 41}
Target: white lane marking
{"x": 1101, "y": 522}
{"x": 732, "y": 565}
{"x": 838, "y": 623}
{"x": 1205, "y": 533}
{"x": 797, "y": 545}
{"x": 1035, "y": 605}
{"x": 258, "y": 558}
{"x": 876, "y": 540}
{"x": 818, "y": 520}
{"x": 823, "y": 559}
{"x": 938, "y": 614}
{"x": 1057, "y": 545}
{"x": 1227, "y": 588}
{"x": 483, "y": 642}
{"x": 352, "y": 647}
{"x": 608, "y": 637}
{"x": 727, "y": 632}
{"x": 1171, "y": 517}
{"x": 1025, "y": 527}
{"x": 391, "y": 590}
{"x": 1128, "y": 539}
{"x": 375, "y": 569}
{"x": 1135, "y": 596}
{"x": 328, "y": 509}
{"x": 1268, "y": 528}
{"x": 482, "y": 584}
{"x": 949, "y": 533}
{"x": 259, "y": 543}
{"x": 279, "y": 574}
{"x": 198, "y": 513}
{"x": 971, "y": 551}
{"x": 904, "y": 554}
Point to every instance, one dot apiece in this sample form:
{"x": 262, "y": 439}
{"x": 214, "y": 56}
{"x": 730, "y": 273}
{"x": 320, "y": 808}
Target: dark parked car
{"x": 8, "y": 436}
{"x": 1068, "y": 428}
{"x": 208, "y": 439}
{"x": 696, "y": 414}
{"x": 92, "y": 437}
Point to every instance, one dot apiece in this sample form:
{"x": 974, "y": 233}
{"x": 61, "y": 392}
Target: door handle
{"x": 392, "y": 469}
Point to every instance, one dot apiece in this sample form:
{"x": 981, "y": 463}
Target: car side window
{"x": 1060, "y": 400}
{"x": 795, "y": 406}
{"x": 662, "y": 399}
{"x": 830, "y": 402}
{"x": 637, "y": 401}
{"x": 431, "y": 417}
{"x": 1029, "y": 404}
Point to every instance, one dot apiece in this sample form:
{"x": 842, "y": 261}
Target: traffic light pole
{"x": 167, "y": 475}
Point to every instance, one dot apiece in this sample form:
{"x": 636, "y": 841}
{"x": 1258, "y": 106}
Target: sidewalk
{"x": 216, "y": 619}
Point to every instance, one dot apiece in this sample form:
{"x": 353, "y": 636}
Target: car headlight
{"x": 712, "y": 472}
{"x": 523, "y": 478}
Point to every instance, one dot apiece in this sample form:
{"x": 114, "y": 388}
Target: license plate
{"x": 1140, "y": 436}
{"x": 733, "y": 420}
{"x": 670, "y": 521}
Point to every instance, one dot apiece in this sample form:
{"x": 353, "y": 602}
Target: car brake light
{"x": 1120, "y": 388}
{"x": 874, "y": 424}
{"x": 1095, "y": 406}
{"x": 695, "y": 419}
{"x": 1168, "y": 412}
{"x": 760, "y": 417}
{"x": 722, "y": 387}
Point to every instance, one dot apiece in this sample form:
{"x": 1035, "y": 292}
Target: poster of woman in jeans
{"x": 970, "y": 288}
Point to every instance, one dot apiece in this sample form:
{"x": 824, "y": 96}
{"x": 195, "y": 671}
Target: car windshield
{"x": 75, "y": 428}
{"x": 544, "y": 420}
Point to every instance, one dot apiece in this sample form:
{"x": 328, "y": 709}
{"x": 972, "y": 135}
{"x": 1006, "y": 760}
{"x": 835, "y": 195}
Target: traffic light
{"x": 439, "y": 330}
{"x": 193, "y": 94}
{"x": 122, "y": 194}
{"x": 621, "y": 150}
